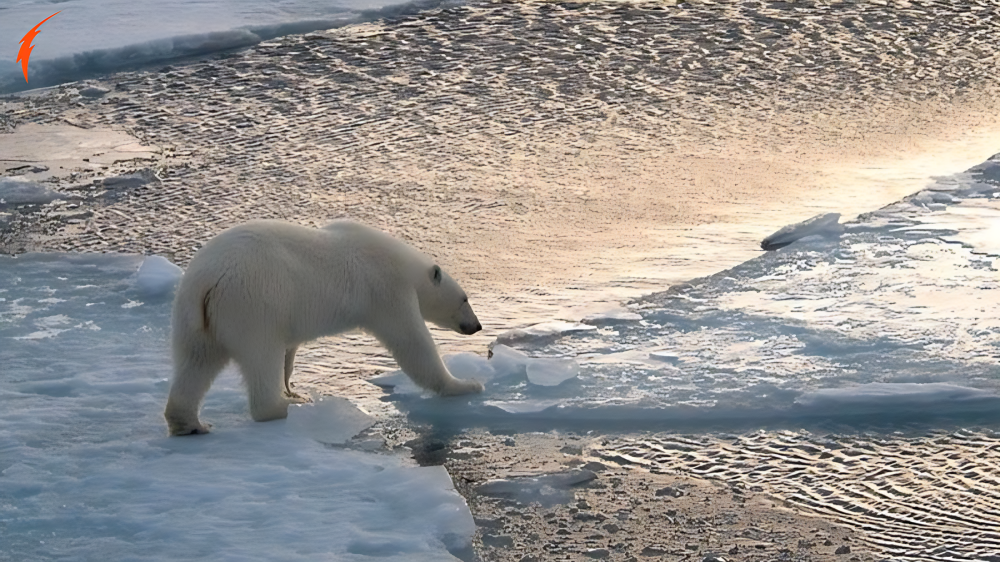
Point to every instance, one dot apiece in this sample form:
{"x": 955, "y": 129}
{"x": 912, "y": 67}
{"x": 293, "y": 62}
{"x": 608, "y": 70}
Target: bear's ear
{"x": 436, "y": 275}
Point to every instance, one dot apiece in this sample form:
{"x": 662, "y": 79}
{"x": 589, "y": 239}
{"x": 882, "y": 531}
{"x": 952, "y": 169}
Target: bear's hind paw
{"x": 296, "y": 398}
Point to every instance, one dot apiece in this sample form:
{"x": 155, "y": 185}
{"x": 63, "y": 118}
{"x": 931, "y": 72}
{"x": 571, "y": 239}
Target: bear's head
{"x": 445, "y": 304}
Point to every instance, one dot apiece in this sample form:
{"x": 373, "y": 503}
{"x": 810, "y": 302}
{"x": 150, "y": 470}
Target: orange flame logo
{"x": 24, "y": 53}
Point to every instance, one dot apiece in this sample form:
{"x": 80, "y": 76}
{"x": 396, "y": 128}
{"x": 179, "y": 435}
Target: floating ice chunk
{"x": 547, "y": 490}
{"x": 551, "y": 372}
{"x": 23, "y": 192}
{"x": 129, "y": 181}
{"x": 396, "y": 382}
{"x": 821, "y": 225}
{"x": 470, "y": 366}
{"x": 157, "y": 277}
{"x": 612, "y": 317}
{"x": 505, "y": 366}
{"x": 461, "y": 365}
{"x": 665, "y": 356}
{"x": 895, "y": 397}
{"x": 529, "y": 406}
{"x": 507, "y": 361}
{"x": 328, "y": 420}
{"x": 551, "y": 329}
{"x": 93, "y": 92}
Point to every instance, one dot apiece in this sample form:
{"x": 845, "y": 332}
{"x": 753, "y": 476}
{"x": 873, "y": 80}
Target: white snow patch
{"x": 157, "y": 277}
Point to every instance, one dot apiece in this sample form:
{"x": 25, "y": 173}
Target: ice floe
{"x": 88, "y": 472}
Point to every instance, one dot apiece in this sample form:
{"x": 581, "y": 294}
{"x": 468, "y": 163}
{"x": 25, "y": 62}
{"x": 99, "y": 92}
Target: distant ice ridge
{"x": 882, "y": 397}
{"x": 93, "y": 37}
{"x": 87, "y": 471}
{"x": 827, "y": 226}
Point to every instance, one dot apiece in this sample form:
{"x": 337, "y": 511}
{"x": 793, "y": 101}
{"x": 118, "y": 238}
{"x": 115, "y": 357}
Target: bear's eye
{"x": 466, "y": 299}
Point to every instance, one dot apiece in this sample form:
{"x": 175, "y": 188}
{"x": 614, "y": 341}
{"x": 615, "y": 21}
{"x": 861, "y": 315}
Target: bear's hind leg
{"x": 196, "y": 364}
{"x": 263, "y": 373}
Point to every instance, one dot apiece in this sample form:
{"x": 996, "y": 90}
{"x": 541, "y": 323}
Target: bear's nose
{"x": 469, "y": 329}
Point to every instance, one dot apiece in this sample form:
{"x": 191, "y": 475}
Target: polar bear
{"x": 256, "y": 291}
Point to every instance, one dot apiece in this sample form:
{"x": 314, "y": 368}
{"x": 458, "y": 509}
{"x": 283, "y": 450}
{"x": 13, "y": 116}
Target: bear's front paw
{"x": 189, "y": 429}
{"x": 462, "y": 386}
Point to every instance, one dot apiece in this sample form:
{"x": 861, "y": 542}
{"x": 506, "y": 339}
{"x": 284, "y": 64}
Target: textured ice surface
{"x": 87, "y": 472}
{"x": 895, "y": 320}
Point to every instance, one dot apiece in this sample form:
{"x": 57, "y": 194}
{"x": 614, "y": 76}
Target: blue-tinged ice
{"x": 329, "y": 419}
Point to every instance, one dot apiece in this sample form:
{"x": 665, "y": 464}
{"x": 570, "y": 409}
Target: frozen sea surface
{"x": 896, "y": 321}
{"x": 87, "y": 471}
{"x": 91, "y": 37}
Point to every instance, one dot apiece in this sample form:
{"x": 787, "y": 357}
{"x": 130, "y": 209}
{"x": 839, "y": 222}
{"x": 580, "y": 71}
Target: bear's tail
{"x": 193, "y": 329}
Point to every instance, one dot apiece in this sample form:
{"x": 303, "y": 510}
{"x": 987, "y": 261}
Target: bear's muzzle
{"x": 470, "y": 328}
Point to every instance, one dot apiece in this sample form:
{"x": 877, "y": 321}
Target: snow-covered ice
{"x": 137, "y": 32}
{"x": 87, "y": 471}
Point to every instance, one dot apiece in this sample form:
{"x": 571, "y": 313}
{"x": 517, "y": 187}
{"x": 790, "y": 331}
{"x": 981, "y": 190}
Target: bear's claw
{"x": 296, "y": 398}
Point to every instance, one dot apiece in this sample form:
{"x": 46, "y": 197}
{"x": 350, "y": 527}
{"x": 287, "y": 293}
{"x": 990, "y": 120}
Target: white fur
{"x": 256, "y": 291}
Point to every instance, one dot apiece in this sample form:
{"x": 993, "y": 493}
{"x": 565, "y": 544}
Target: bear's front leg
{"x": 412, "y": 346}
